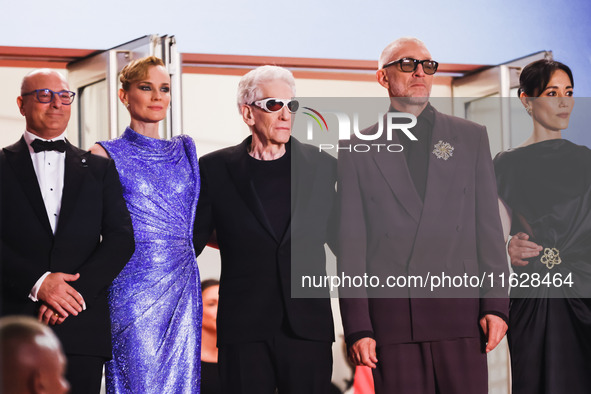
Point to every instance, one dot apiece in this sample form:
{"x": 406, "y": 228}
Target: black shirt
{"x": 272, "y": 183}
{"x": 418, "y": 152}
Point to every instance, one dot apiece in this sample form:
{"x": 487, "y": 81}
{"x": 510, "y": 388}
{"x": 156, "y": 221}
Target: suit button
{"x": 458, "y": 228}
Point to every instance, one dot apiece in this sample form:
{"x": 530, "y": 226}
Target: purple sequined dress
{"x": 155, "y": 301}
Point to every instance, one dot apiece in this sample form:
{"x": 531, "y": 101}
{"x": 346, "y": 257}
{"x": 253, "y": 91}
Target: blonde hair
{"x": 137, "y": 70}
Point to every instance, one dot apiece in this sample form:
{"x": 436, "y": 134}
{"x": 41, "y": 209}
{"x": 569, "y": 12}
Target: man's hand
{"x": 49, "y": 317}
{"x": 363, "y": 352}
{"x": 494, "y": 328}
{"x": 58, "y": 295}
{"x": 520, "y": 249}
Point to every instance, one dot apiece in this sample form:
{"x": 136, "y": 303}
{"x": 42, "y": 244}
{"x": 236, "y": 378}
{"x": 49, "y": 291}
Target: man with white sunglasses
{"x": 262, "y": 198}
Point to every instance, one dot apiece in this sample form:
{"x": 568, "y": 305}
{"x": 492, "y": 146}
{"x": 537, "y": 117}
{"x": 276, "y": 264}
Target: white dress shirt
{"x": 49, "y": 168}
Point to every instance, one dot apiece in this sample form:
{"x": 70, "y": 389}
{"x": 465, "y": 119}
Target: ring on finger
{"x": 56, "y": 315}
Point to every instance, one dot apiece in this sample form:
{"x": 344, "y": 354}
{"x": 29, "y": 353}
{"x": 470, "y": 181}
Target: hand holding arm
{"x": 520, "y": 248}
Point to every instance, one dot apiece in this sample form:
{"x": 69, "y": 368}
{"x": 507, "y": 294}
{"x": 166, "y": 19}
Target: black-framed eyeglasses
{"x": 409, "y": 65}
{"x": 275, "y": 104}
{"x": 45, "y": 96}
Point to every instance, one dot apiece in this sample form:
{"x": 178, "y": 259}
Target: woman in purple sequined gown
{"x": 155, "y": 301}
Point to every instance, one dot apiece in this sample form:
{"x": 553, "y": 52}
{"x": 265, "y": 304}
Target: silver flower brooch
{"x": 443, "y": 150}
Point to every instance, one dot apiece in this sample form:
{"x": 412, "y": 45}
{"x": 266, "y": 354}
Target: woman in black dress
{"x": 545, "y": 191}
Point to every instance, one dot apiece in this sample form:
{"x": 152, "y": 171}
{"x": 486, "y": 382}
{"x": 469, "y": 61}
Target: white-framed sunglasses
{"x": 274, "y": 104}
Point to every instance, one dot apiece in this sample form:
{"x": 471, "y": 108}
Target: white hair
{"x": 394, "y": 46}
{"x": 248, "y": 87}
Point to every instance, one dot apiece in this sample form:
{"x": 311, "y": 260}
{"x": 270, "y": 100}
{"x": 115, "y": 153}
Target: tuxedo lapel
{"x": 239, "y": 171}
{"x": 394, "y": 169}
{"x": 20, "y": 160}
{"x": 74, "y": 171}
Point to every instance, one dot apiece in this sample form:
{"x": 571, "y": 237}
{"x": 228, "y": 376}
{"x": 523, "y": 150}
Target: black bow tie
{"x": 40, "y": 145}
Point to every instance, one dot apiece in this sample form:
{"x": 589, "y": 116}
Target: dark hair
{"x": 209, "y": 283}
{"x": 535, "y": 76}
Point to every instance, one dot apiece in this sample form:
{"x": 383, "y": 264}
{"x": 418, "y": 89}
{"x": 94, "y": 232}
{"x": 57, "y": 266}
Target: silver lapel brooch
{"x": 443, "y": 150}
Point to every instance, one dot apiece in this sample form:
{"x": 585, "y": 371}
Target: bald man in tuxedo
{"x": 66, "y": 232}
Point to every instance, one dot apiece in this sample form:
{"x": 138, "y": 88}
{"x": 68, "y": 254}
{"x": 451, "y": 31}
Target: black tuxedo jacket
{"x": 388, "y": 230}
{"x": 94, "y": 237}
{"x": 258, "y": 268}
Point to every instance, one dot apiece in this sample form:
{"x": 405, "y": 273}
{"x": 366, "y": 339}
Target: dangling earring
{"x": 126, "y": 104}
{"x": 528, "y": 109}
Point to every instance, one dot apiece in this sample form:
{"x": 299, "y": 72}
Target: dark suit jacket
{"x": 387, "y": 229}
{"x": 92, "y": 207}
{"x": 258, "y": 268}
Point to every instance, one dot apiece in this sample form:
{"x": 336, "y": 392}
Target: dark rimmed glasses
{"x": 45, "y": 96}
{"x": 275, "y": 104}
{"x": 409, "y": 65}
